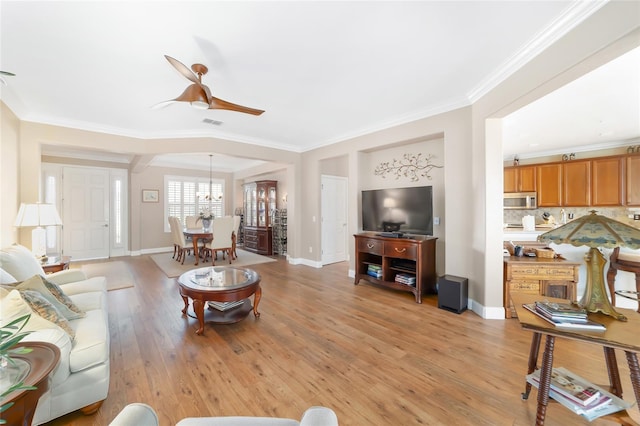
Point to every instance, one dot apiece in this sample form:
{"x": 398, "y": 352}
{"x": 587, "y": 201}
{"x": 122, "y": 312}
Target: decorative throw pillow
{"x": 62, "y": 298}
{"x": 18, "y": 261}
{"x": 6, "y": 278}
{"x": 37, "y": 283}
{"x": 47, "y": 310}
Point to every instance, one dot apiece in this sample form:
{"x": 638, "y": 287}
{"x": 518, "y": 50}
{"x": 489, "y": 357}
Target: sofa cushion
{"x": 6, "y": 278}
{"x": 91, "y": 346}
{"x": 18, "y": 261}
{"x": 39, "y": 284}
{"x": 90, "y": 300}
{"x": 45, "y": 309}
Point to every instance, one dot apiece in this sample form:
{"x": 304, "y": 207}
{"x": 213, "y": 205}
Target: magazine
{"x": 607, "y": 403}
{"x": 587, "y": 325}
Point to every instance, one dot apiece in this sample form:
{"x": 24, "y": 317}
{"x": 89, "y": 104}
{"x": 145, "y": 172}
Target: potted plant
{"x": 11, "y": 378}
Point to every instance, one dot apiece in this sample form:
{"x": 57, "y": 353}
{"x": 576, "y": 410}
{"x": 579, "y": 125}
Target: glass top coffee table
{"x": 226, "y": 291}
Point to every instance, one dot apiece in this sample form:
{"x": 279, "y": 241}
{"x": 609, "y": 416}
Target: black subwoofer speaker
{"x": 453, "y": 293}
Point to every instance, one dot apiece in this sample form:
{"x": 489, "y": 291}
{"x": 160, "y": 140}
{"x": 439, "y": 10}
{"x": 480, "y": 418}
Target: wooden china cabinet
{"x": 259, "y": 204}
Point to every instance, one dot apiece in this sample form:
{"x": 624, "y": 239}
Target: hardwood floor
{"x": 372, "y": 354}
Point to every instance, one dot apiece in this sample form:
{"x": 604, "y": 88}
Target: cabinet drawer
{"x": 400, "y": 250}
{"x": 531, "y": 272}
{"x": 369, "y": 245}
{"x": 528, "y": 287}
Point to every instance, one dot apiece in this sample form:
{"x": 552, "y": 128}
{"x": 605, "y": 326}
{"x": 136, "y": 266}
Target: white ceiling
{"x": 323, "y": 71}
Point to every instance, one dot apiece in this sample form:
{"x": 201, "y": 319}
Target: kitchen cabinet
{"x": 549, "y": 184}
{"x": 576, "y": 183}
{"x": 599, "y": 181}
{"x": 259, "y": 204}
{"x": 606, "y": 187}
{"x": 633, "y": 180}
{"x": 520, "y": 179}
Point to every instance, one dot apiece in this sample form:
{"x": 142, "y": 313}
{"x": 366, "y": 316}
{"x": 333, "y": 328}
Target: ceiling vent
{"x": 212, "y": 122}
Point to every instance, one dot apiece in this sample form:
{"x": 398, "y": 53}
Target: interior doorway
{"x": 334, "y": 218}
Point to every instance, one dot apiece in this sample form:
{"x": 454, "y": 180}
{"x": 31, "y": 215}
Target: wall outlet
{"x": 436, "y": 221}
{"x": 310, "y": 249}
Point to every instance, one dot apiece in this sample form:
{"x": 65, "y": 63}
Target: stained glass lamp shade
{"x": 594, "y": 231}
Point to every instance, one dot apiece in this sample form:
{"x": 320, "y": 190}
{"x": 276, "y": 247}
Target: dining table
{"x": 197, "y": 234}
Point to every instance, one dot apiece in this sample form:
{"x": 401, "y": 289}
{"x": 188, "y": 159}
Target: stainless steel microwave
{"x": 520, "y": 200}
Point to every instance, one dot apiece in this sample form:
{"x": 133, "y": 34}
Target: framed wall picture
{"x": 150, "y": 195}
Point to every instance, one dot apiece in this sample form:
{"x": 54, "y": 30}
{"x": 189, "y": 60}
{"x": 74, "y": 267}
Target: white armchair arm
{"x": 319, "y": 416}
{"x": 136, "y": 414}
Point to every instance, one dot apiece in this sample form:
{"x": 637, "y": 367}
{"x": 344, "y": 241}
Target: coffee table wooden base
{"x": 215, "y": 316}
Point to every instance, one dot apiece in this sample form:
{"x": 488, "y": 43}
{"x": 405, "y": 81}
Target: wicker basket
{"x": 545, "y": 252}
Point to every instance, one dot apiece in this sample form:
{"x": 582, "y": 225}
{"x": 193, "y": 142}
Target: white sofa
{"x": 143, "y": 415}
{"x": 81, "y": 379}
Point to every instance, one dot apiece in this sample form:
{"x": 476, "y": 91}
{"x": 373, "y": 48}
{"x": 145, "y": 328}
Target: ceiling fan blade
{"x": 163, "y": 104}
{"x": 183, "y": 69}
{"x": 7, "y": 73}
{"x": 217, "y": 103}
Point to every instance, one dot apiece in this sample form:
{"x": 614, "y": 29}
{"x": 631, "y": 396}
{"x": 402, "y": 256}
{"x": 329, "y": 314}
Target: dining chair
{"x": 236, "y": 227}
{"x": 183, "y": 247}
{"x": 191, "y": 221}
{"x": 172, "y": 227}
{"x": 222, "y": 229}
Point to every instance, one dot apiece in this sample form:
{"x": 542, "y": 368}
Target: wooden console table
{"x": 415, "y": 256}
{"x": 538, "y": 275}
{"x": 42, "y": 360}
{"x": 619, "y": 335}
{"x": 61, "y": 264}
{"x": 625, "y": 264}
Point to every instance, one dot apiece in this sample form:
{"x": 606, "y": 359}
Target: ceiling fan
{"x": 199, "y": 95}
{"x": 5, "y": 73}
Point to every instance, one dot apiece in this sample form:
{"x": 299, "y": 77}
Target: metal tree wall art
{"x": 410, "y": 166}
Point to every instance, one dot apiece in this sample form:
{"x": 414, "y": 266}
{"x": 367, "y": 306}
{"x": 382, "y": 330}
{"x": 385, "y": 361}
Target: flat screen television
{"x": 404, "y": 210}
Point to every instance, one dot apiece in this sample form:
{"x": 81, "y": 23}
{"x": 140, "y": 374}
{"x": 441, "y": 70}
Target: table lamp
{"x": 38, "y": 215}
{"x": 594, "y": 231}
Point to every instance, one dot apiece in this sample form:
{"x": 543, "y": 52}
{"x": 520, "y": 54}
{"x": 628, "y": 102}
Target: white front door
{"x": 334, "y": 219}
{"x": 86, "y": 213}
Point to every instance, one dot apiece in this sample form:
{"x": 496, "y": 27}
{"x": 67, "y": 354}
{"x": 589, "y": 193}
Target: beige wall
{"x": 9, "y": 175}
{"x": 473, "y": 157}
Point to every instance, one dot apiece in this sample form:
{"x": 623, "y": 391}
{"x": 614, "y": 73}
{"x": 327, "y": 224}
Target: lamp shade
{"x": 37, "y": 215}
{"x": 594, "y": 230}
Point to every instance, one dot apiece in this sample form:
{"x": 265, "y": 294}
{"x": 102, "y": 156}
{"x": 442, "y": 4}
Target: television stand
{"x": 405, "y": 264}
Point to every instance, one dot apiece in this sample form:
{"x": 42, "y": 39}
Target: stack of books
{"x": 225, "y": 306}
{"x": 579, "y": 395}
{"x": 375, "y": 271}
{"x": 564, "y": 315}
{"x": 407, "y": 279}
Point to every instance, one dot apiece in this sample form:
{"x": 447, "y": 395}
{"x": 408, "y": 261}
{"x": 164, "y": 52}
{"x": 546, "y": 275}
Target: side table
{"x": 61, "y": 264}
{"x": 42, "y": 360}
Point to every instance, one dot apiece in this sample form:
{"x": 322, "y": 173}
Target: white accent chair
{"x": 143, "y": 415}
{"x": 222, "y": 240}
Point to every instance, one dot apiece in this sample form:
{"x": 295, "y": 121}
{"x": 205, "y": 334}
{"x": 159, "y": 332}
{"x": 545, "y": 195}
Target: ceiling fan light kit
{"x": 198, "y": 95}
